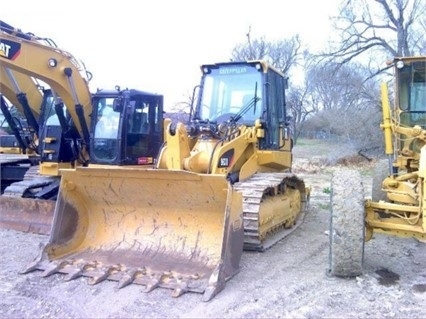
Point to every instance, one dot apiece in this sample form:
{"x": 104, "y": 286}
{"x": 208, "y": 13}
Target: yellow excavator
{"x": 76, "y": 120}
{"x": 222, "y": 183}
{"x": 27, "y": 103}
{"x": 30, "y": 55}
{"x": 19, "y": 154}
{"x": 398, "y": 190}
{"x": 22, "y": 102}
{"x": 26, "y": 95}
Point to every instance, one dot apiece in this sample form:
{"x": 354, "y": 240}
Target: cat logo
{"x": 9, "y": 49}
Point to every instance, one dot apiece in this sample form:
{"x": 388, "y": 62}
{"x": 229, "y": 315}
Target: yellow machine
{"x": 19, "y": 149}
{"x": 398, "y": 192}
{"x": 19, "y": 154}
{"x": 26, "y": 95}
{"x": 222, "y": 183}
{"x": 31, "y": 56}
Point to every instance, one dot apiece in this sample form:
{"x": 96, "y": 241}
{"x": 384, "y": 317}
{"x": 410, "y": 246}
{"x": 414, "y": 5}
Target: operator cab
{"x": 229, "y": 91}
{"x": 411, "y": 91}
{"x": 127, "y": 127}
{"x": 241, "y": 93}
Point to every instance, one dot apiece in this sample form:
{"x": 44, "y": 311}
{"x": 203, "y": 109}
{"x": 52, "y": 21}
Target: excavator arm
{"x": 26, "y": 95}
{"x": 14, "y": 84}
{"x": 56, "y": 67}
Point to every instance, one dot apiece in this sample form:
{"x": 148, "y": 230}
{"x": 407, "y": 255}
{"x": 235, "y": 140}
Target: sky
{"x": 159, "y": 46}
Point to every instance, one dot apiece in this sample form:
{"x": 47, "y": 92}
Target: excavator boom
{"x": 56, "y": 67}
{"x": 14, "y": 84}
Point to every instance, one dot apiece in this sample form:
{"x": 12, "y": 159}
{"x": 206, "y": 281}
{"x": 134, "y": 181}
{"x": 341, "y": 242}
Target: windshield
{"x": 229, "y": 90}
{"x": 108, "y": 120}
{"x": 412, "y": 93}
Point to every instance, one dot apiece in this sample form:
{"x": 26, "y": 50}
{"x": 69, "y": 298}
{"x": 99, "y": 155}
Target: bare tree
{"x": 251, "y": 50}
{"x": 298, "y": 108}
{"x": 283, "y": 54}
{"x": 347, "y": 106}
{"x": 334, "y": 86}
{"x": 384, "y": 28}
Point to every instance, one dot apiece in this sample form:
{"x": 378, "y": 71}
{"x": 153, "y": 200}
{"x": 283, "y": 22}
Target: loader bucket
{"x": 157, "y": 228}
{"x": 26, "y": 214}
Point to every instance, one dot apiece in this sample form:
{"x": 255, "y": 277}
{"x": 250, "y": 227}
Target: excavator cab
{"x": 127, "y": 127}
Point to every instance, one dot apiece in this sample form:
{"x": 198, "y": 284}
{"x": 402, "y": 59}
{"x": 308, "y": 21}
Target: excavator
{"x": 19, "y": 154}
{"x": 221, "y": 184}
{"x": 30, "y": 55}
{"x": 398, "y": 189}
{"x": 26, "y": 95}
{"x": 21, "y": 145}
{"x": 72, "y": 121}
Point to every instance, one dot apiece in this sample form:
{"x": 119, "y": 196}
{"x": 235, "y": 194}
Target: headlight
{"x": 53, "y": 63}
{"x": 400, "y": 64}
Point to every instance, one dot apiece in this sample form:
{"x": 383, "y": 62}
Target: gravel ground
{"x": 287, "y": 281}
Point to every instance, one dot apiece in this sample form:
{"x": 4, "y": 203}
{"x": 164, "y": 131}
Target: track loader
{"x": 396, "y": 206}
{"x": 222, "y": 183}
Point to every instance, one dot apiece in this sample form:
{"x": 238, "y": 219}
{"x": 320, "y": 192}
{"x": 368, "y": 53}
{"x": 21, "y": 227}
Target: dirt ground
{"x": 287, "y": 281}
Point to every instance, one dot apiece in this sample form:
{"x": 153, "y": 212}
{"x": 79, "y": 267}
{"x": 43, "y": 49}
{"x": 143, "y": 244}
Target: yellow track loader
{"x": 398, "y": 190}
{"x": 222, "y": 183}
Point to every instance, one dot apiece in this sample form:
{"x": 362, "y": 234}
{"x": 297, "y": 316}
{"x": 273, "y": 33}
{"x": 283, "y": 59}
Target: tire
{"x": 347, "y": 224}
{"x": 381, "y": 171}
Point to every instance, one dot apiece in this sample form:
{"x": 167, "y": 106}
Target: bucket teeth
{"x": 74, "y": 274}
{"x": 127, "y": 278}
{"x": 101, "y": 275}
{"x": 53, "y": 268}
{"x": 180, "y": 290}
{"x": 35, "y": 263}
{"x": 33, "y": 266}
{"x": 153, "y": 283}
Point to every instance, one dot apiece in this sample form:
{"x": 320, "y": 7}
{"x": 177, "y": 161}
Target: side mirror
{"x": 288, "y": 120}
